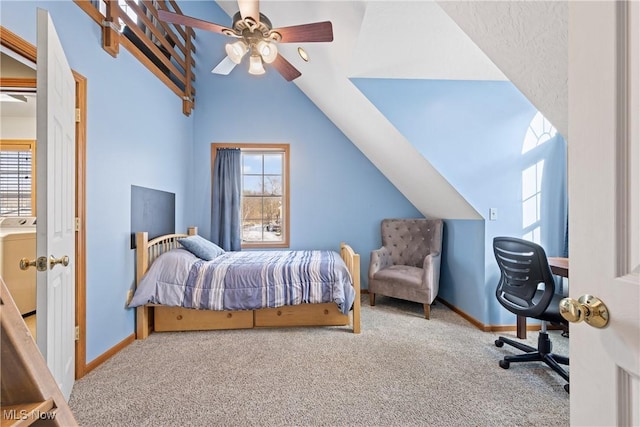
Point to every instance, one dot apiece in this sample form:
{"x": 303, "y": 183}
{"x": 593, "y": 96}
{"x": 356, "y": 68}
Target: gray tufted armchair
{"x": 407, "y": 266}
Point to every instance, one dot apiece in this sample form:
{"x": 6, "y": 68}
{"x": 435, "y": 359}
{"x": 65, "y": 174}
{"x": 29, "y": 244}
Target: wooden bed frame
{"x": 161, "y": 318}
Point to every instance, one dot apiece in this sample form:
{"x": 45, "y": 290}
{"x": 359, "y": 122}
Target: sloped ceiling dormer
{"x": 418, "y": 40}
{"x": 528, "y": 41}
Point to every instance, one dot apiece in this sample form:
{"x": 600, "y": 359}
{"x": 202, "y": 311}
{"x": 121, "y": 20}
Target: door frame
{"x": 18, "y": 45}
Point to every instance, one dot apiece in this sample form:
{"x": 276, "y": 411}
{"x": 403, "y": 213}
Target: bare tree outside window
{"x": 264, "y": 200}
{"x": 262, "y": 196}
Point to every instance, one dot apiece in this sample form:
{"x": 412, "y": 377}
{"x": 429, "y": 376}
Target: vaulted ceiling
{"x": 525, "y": 42}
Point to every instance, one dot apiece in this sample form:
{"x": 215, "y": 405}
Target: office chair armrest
{"x": 380, "y": 259}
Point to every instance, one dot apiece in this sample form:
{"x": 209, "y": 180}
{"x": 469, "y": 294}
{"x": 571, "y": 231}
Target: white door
{"x": 55, "y": 205}
{"x": 604, "y": 211}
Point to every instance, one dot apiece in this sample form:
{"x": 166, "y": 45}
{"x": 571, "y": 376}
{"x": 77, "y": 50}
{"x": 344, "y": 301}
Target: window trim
{"x": 258, "y": 147}
{"x": 25, "y": 145}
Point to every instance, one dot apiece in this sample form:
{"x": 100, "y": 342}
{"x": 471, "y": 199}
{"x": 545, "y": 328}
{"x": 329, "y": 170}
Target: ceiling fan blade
{"x": 284, "y": 67}
{"x": 249, "y": 9}
{"x": 224, "y": 67}
{"x": 176, "y": 18}
{"x": 315, "y": 32}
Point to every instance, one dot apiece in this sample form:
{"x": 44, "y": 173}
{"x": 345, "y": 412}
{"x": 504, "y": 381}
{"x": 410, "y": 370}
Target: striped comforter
{"x": 248, "y": 280}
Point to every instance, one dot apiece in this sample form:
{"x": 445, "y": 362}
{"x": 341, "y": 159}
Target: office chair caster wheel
{"x": 566, "y": 388}
{"x": 504, "y": 364}
{"x": 499, "y": 343}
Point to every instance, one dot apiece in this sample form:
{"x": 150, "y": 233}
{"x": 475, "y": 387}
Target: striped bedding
{"x": 247, "y": 280}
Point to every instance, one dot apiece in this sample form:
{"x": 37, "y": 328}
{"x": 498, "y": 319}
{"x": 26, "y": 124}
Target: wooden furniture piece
{"x": 29, "y": 393}
{"x": 163, "y": 318}
{"x": 560, "y": 267}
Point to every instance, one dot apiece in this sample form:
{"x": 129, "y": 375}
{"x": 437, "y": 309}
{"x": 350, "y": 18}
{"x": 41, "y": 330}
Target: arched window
{"x": 540, "y": 131}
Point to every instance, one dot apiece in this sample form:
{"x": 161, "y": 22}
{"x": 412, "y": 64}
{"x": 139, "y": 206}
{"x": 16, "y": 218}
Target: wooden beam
{"x": 17, "y": 44}
{"x": 22, "y": 83}
{"x": 110, "y": 36}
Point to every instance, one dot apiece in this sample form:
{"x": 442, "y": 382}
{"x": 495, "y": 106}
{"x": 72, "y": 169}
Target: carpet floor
{"x": 403, "y": 370}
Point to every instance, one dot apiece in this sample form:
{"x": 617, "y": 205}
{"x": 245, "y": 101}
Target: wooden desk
{"x": 559, "y": 266}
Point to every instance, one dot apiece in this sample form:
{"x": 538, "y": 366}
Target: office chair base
{"x": 531, "y": 354}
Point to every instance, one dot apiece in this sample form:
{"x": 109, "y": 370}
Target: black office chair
{"x": 527, "y": 288}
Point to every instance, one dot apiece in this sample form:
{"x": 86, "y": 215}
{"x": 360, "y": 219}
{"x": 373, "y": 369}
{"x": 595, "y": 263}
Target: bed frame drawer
{"x": 182, "y": 319}
{"x": 326, "y": 314}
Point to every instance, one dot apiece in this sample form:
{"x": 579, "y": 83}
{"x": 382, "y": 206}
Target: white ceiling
{"x": 387, "y": 39}
{"x": 419, "y": 40}
{"x": 325, "y": 80}
{"x": 529, "y": 41}
{"x": 10, "y": 67}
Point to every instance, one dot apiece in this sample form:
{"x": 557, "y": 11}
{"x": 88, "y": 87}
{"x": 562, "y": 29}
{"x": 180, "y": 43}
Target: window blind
{"x": 15, "y": 182}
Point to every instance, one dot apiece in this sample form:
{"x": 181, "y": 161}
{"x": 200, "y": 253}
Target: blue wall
{"x": 473, "y": 133}
{"x": 336, "y": 193}
{"x": 137, "y": 135}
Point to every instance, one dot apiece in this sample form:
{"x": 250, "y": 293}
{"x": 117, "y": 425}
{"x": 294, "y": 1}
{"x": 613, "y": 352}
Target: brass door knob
{"x": 62, "y": 260}
{"x": 40, "y": 263}
{"x": 25, "y": 263}
{"x": 588, "y": 308}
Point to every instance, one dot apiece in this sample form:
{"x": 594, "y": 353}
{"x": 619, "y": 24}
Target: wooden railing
{"x": 165, "y": 49}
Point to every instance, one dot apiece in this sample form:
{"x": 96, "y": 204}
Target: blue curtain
{"x": 225, "y": 199}
{"x": 554, "y": 196}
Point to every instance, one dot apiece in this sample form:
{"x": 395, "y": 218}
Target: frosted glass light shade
{"x": 236, "y": 50}
{"x": 268, "y": 51}
{"x": 255, "y": 65}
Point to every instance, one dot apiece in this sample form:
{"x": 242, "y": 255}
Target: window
{"x": 531, "y": 201}
{"x": 540, "y": 131}
{"x": 128, "y": 10}
{"x": 265, "y": 194}
{"x": 17, "y": 178}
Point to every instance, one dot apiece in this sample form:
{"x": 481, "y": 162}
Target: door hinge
{"x": 77, "y": 224}
{"x": 77, "y": 333}
{"x": 77, "y": 115}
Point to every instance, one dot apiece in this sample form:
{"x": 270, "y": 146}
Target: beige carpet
{"x": 402, "y": 370}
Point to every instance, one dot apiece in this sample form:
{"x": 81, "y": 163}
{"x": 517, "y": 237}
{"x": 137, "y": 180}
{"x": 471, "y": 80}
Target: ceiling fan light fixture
{"x": 267, "y": 50}
{"x": 251, "y": 28}
{"x": 236, "y": 50}
{"x": 255, "y": 65}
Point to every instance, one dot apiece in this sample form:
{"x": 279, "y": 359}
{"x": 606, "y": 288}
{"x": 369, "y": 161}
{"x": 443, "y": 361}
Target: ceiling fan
{"x": 256, "y": 37}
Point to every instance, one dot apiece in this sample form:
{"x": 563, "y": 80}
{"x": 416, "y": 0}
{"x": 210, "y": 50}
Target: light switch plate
{"x": 493, "y": 214}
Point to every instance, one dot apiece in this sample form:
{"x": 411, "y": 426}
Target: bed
{"x": 162, "y": 317}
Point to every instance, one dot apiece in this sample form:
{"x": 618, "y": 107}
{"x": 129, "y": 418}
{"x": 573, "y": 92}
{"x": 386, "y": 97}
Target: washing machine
{"x": 17, "y": 241}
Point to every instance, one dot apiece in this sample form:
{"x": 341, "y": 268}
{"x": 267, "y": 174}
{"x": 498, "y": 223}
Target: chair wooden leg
{"x": 372, "y": 299}
{"x": 427, "y": 311}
